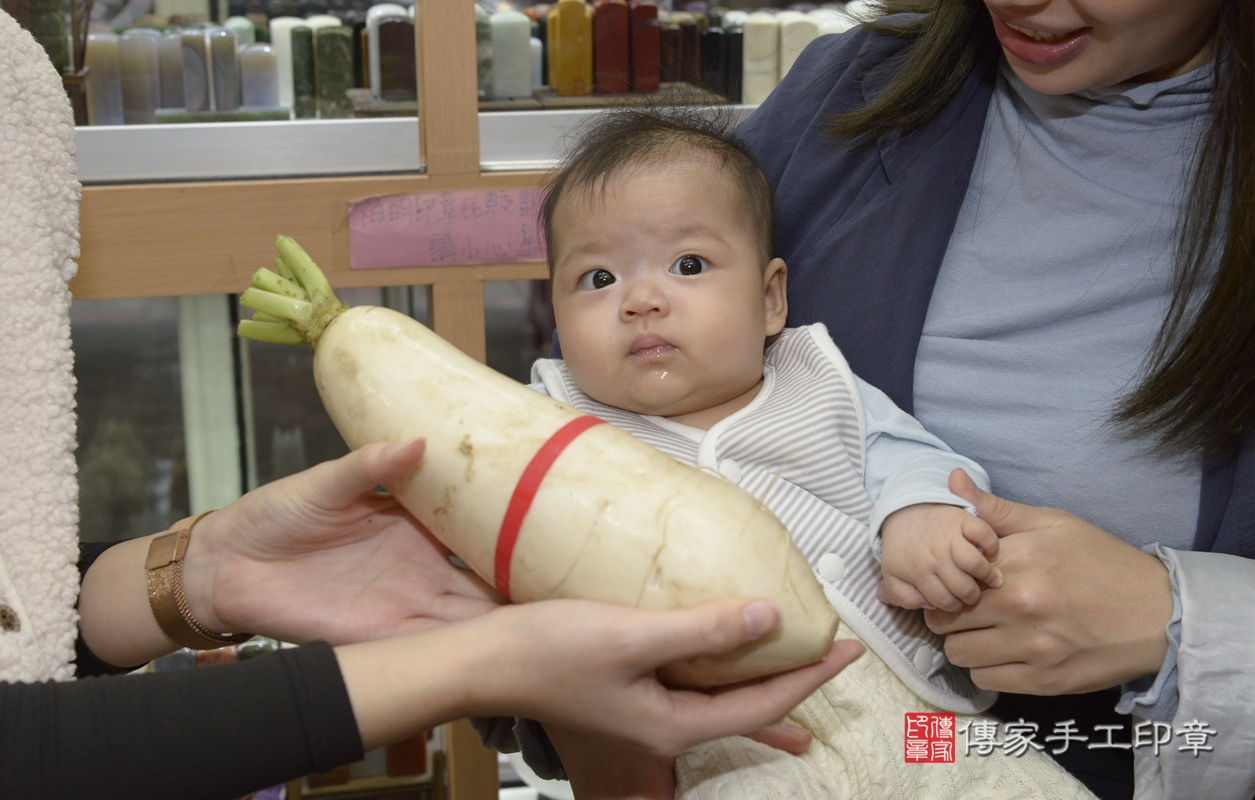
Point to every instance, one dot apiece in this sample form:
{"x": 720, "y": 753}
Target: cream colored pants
{"x": 858, "y": 754}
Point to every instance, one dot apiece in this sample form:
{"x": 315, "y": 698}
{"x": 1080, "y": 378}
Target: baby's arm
{"x": 934, "y": 531}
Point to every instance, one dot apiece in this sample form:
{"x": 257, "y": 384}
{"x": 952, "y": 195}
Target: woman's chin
{"x": 1065, "y": 79}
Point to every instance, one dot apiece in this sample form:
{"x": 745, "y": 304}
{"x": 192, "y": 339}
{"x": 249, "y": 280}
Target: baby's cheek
{"x": 592, "y": 372}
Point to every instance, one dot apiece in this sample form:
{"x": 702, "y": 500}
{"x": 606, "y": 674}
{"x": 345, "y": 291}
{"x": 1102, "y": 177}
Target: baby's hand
{"x": 934, "y": 554}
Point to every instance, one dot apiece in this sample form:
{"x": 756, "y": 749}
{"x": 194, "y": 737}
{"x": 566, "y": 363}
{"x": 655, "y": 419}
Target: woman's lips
{"x": 1040, "y": 48}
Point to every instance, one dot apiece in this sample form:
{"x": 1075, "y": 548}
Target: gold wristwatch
{"x": 165, "y": 591}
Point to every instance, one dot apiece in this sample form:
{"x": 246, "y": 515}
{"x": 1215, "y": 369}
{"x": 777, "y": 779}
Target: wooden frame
{"x": 208, "y": 237}
{"x": 166, "y": 239}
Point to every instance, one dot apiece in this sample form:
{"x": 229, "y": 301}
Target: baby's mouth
{"x": 650, "y": 345}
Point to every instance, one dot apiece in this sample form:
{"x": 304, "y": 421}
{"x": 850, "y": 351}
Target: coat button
{"x": 730, "y": 470}
{"x": 9, "y": 620}
{"x": 831, "y": 567}
{"x": 923, "y": 659}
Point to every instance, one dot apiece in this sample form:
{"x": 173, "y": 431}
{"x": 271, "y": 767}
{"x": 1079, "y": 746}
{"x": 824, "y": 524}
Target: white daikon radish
{"x": 539, "y": 499}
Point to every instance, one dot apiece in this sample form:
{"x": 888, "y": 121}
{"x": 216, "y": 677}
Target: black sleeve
{"x": 85, "y": 661}
{"x": 209, "y": 732}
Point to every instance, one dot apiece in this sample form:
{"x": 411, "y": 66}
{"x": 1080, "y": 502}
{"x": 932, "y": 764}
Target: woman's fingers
{"x": 1002, "y": 515}
{"x": 761, "y": 703}
{"x": 699, "y": 717}
{"x": 784, "y": 736}
{"x": 396, "y": 461}
{"x": 710, "y": 629}
{"x": 338, "y": 484}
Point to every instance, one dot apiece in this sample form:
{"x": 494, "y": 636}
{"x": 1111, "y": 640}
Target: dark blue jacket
{"x": 864, "y": 232}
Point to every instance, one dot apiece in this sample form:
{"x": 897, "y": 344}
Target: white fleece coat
{"x": 39, "y": 194}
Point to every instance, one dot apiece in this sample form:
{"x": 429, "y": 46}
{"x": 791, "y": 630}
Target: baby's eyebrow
{"x": 591, "y": 249}
{"x": 697, "y": 230}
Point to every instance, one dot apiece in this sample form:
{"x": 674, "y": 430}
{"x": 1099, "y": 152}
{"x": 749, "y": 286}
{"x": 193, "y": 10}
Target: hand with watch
{"x": 165, "y": 590}
{"x": 316, "y": 555}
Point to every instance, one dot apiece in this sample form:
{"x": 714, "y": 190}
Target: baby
{"x": 671, "y": 313}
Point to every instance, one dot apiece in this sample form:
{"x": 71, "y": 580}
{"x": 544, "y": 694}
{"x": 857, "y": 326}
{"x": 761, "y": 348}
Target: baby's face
{"x": 662, "y": 301}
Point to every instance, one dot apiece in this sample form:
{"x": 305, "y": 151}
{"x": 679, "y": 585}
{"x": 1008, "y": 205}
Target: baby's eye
{"x": 596, "y": 279}
{"x": 690, "y": 265}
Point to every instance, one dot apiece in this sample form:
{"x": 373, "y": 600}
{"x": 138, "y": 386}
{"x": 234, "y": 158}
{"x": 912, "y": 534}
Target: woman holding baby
{"x": 1029, "y": 222}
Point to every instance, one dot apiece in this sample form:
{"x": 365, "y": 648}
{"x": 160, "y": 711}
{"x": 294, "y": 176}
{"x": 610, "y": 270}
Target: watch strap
{"x": 165, "y": 591}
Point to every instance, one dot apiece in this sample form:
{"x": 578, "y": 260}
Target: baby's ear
{"x": 775, "y": 295}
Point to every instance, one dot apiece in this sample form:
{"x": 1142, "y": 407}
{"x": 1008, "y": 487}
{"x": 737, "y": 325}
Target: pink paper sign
{"x": 435, "y": 229}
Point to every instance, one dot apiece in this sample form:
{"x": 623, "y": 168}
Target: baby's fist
{"x": 935, "y": 554}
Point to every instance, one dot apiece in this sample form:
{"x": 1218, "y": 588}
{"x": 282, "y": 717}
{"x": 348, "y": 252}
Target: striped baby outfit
{"x": 801, "y": 444}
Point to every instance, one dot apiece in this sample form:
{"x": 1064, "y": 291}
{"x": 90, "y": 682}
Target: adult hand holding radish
{"x": 587, "y": 667}
{"x": 1079, "y": 609}
{"x": 318, "y": 555}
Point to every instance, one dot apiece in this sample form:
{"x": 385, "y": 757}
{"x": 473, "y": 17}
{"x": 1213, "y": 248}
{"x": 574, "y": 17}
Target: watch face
{"x": 166, "y": 549}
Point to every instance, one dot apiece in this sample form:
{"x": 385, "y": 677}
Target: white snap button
{"x": 831, "y": 567}
{"x": 923, "y": 659}
{"x": 730, "y": 470}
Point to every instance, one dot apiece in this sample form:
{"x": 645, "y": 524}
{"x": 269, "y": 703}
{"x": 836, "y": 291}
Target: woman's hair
{"x": 619, "y": 141}
{"x": 1198, "y": 387}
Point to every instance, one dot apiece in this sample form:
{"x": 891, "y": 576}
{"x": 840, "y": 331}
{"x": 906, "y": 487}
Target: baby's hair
{"x": 621, "y": 140}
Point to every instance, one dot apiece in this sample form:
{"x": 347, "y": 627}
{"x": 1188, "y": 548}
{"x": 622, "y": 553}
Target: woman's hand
{"x": 321, "y": 554}
{"x": 318, "y": 554}
{"x": 1079, "y": 609}
{"x": 612, "y": 654}
{"x": 583, "y": 666}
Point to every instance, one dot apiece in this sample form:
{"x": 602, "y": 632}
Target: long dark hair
{"x": 1197, "y": 392}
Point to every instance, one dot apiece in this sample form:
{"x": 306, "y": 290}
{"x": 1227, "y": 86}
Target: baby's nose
{"x": 643, "y": 299}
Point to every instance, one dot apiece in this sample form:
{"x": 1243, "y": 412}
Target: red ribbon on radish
{"x": 525, "y": 492}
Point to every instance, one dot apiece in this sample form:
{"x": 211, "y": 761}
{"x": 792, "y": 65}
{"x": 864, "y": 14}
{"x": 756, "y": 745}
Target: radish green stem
{"x": 276, "y": 332}
{"x": 293, "y": 306}
{"x": 288, "y": 309}
{"x": 305, "y": 271}
{"x": 267, "y": 281}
